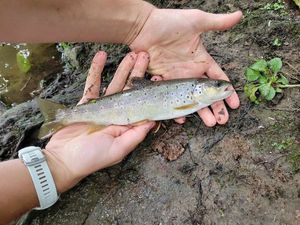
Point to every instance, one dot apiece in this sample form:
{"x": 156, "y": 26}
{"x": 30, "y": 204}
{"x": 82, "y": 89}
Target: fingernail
{"x": 101, "y": 53}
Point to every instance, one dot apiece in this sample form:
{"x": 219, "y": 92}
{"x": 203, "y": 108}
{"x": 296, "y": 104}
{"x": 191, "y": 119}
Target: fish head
{"x": 210, "y": 91}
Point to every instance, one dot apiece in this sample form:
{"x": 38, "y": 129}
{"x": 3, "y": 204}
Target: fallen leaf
{"x": 172, "y": 143}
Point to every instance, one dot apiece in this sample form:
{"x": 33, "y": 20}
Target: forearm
{"x": 17, "y": 192}
{"x": 113, "y": 21}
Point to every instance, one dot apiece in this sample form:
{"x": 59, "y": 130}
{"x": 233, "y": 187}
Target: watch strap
{"x": 41, "y": 176}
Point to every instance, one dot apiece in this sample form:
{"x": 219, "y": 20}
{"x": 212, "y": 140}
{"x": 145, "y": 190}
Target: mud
{"x": 245, "y": 172}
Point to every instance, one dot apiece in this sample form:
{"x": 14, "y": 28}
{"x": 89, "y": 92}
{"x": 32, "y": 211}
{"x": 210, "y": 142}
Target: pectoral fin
{"x": 49, "y": 108}
{"x": 188, "y": 106}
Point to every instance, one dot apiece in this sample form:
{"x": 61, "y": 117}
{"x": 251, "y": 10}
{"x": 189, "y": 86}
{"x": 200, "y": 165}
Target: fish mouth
{"x": 228, "y": 93}
{"x": 228, "y": 90}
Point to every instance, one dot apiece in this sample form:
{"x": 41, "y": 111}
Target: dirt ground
{"x": 245, "y": 172}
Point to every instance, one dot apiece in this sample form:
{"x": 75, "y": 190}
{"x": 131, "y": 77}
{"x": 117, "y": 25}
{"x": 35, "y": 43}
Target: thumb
{"x": 132, "y": 137}
{"x": 210, "y": 21}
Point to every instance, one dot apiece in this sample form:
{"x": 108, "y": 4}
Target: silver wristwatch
{"x": 41, "y": 176}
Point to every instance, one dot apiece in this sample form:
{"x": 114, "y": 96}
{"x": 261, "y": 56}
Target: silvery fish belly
{"x": 148, "y": 101}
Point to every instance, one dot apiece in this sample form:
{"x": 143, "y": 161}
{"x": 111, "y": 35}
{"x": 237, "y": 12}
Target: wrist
{"x": 63, "y": 178}
{"x": 143, "y": 11}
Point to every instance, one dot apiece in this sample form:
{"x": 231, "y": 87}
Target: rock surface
{"x": 245, "y": 172}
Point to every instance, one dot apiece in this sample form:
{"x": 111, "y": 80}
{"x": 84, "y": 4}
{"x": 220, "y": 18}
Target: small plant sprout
{"x": 275, "y": 6}
{"x": 264, "y": 80}
{"x": 277, "y": 42}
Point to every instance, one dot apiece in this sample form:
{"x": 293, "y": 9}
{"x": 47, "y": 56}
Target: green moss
{"x": 294, "y": 159}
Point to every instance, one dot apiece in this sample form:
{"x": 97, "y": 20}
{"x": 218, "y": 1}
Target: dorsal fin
{"x": 138, "y": 82}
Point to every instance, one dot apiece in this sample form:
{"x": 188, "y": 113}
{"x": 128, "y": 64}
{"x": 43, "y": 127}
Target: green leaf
{"x": 283, "y": 80}
{"x": 23, "y": 62}
{"x": 277, "y": 42}
{"x": 260, "y": 65}
{"x": 271, "y": 94}
{"x": 262, "y": 80}
{"x": 250, "y": 90}
{"x": 275, "y": 65}
{"x": 264, "y": 89}
{"x": 278, "y": 90}
{"x": 252, "y": 75}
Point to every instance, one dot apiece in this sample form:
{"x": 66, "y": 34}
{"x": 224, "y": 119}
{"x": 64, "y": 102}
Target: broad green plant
{"x": 264, "y": 80}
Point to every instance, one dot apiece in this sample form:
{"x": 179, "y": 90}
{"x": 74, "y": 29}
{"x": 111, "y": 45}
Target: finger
{"x": 180, "y": 120}
{"x": 115, "y": 130}
{"x": 215, "y": 72}
{"x": 118, "y": 82}
{"x": 211, "y": 21}
{"x": 220, "y": 112}
{"x": 156, "y": 78}
{"x": 140, "y": 67}
{"x": 207, "y": 116}
{"x": 126, "y": 143}
{"x": 93, "y": 80}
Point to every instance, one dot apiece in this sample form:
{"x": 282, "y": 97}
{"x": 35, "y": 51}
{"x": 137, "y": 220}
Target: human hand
{"x": 73, "y": 152}
{"x": 172, "y": 39}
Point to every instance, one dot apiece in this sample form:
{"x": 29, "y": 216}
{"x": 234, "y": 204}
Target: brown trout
{"x": 146, "y": 101}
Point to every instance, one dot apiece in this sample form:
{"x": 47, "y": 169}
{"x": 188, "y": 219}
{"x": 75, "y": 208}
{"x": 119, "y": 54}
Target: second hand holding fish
{"x": 73, "y": 153}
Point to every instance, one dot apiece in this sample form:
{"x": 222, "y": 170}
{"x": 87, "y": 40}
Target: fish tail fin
{"x": 49, "y": 109}
{"x": 48, "y": 129}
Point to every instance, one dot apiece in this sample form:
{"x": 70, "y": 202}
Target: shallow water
{"x": 17, "y": 86}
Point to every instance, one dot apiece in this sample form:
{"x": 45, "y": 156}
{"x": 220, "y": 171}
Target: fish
{"x": 146, "y": 101}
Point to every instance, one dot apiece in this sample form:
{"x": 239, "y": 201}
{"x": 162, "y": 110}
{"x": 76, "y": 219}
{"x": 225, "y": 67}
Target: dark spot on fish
{"x": 221, "y": 112}
{"x": 219, "y": 119}
{"x": 128, "y": 121}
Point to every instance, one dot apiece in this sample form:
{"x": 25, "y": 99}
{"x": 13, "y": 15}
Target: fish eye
{"x": 219, "y": 83}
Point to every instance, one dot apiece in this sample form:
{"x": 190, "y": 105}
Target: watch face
{"x": 31, "y": 155}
